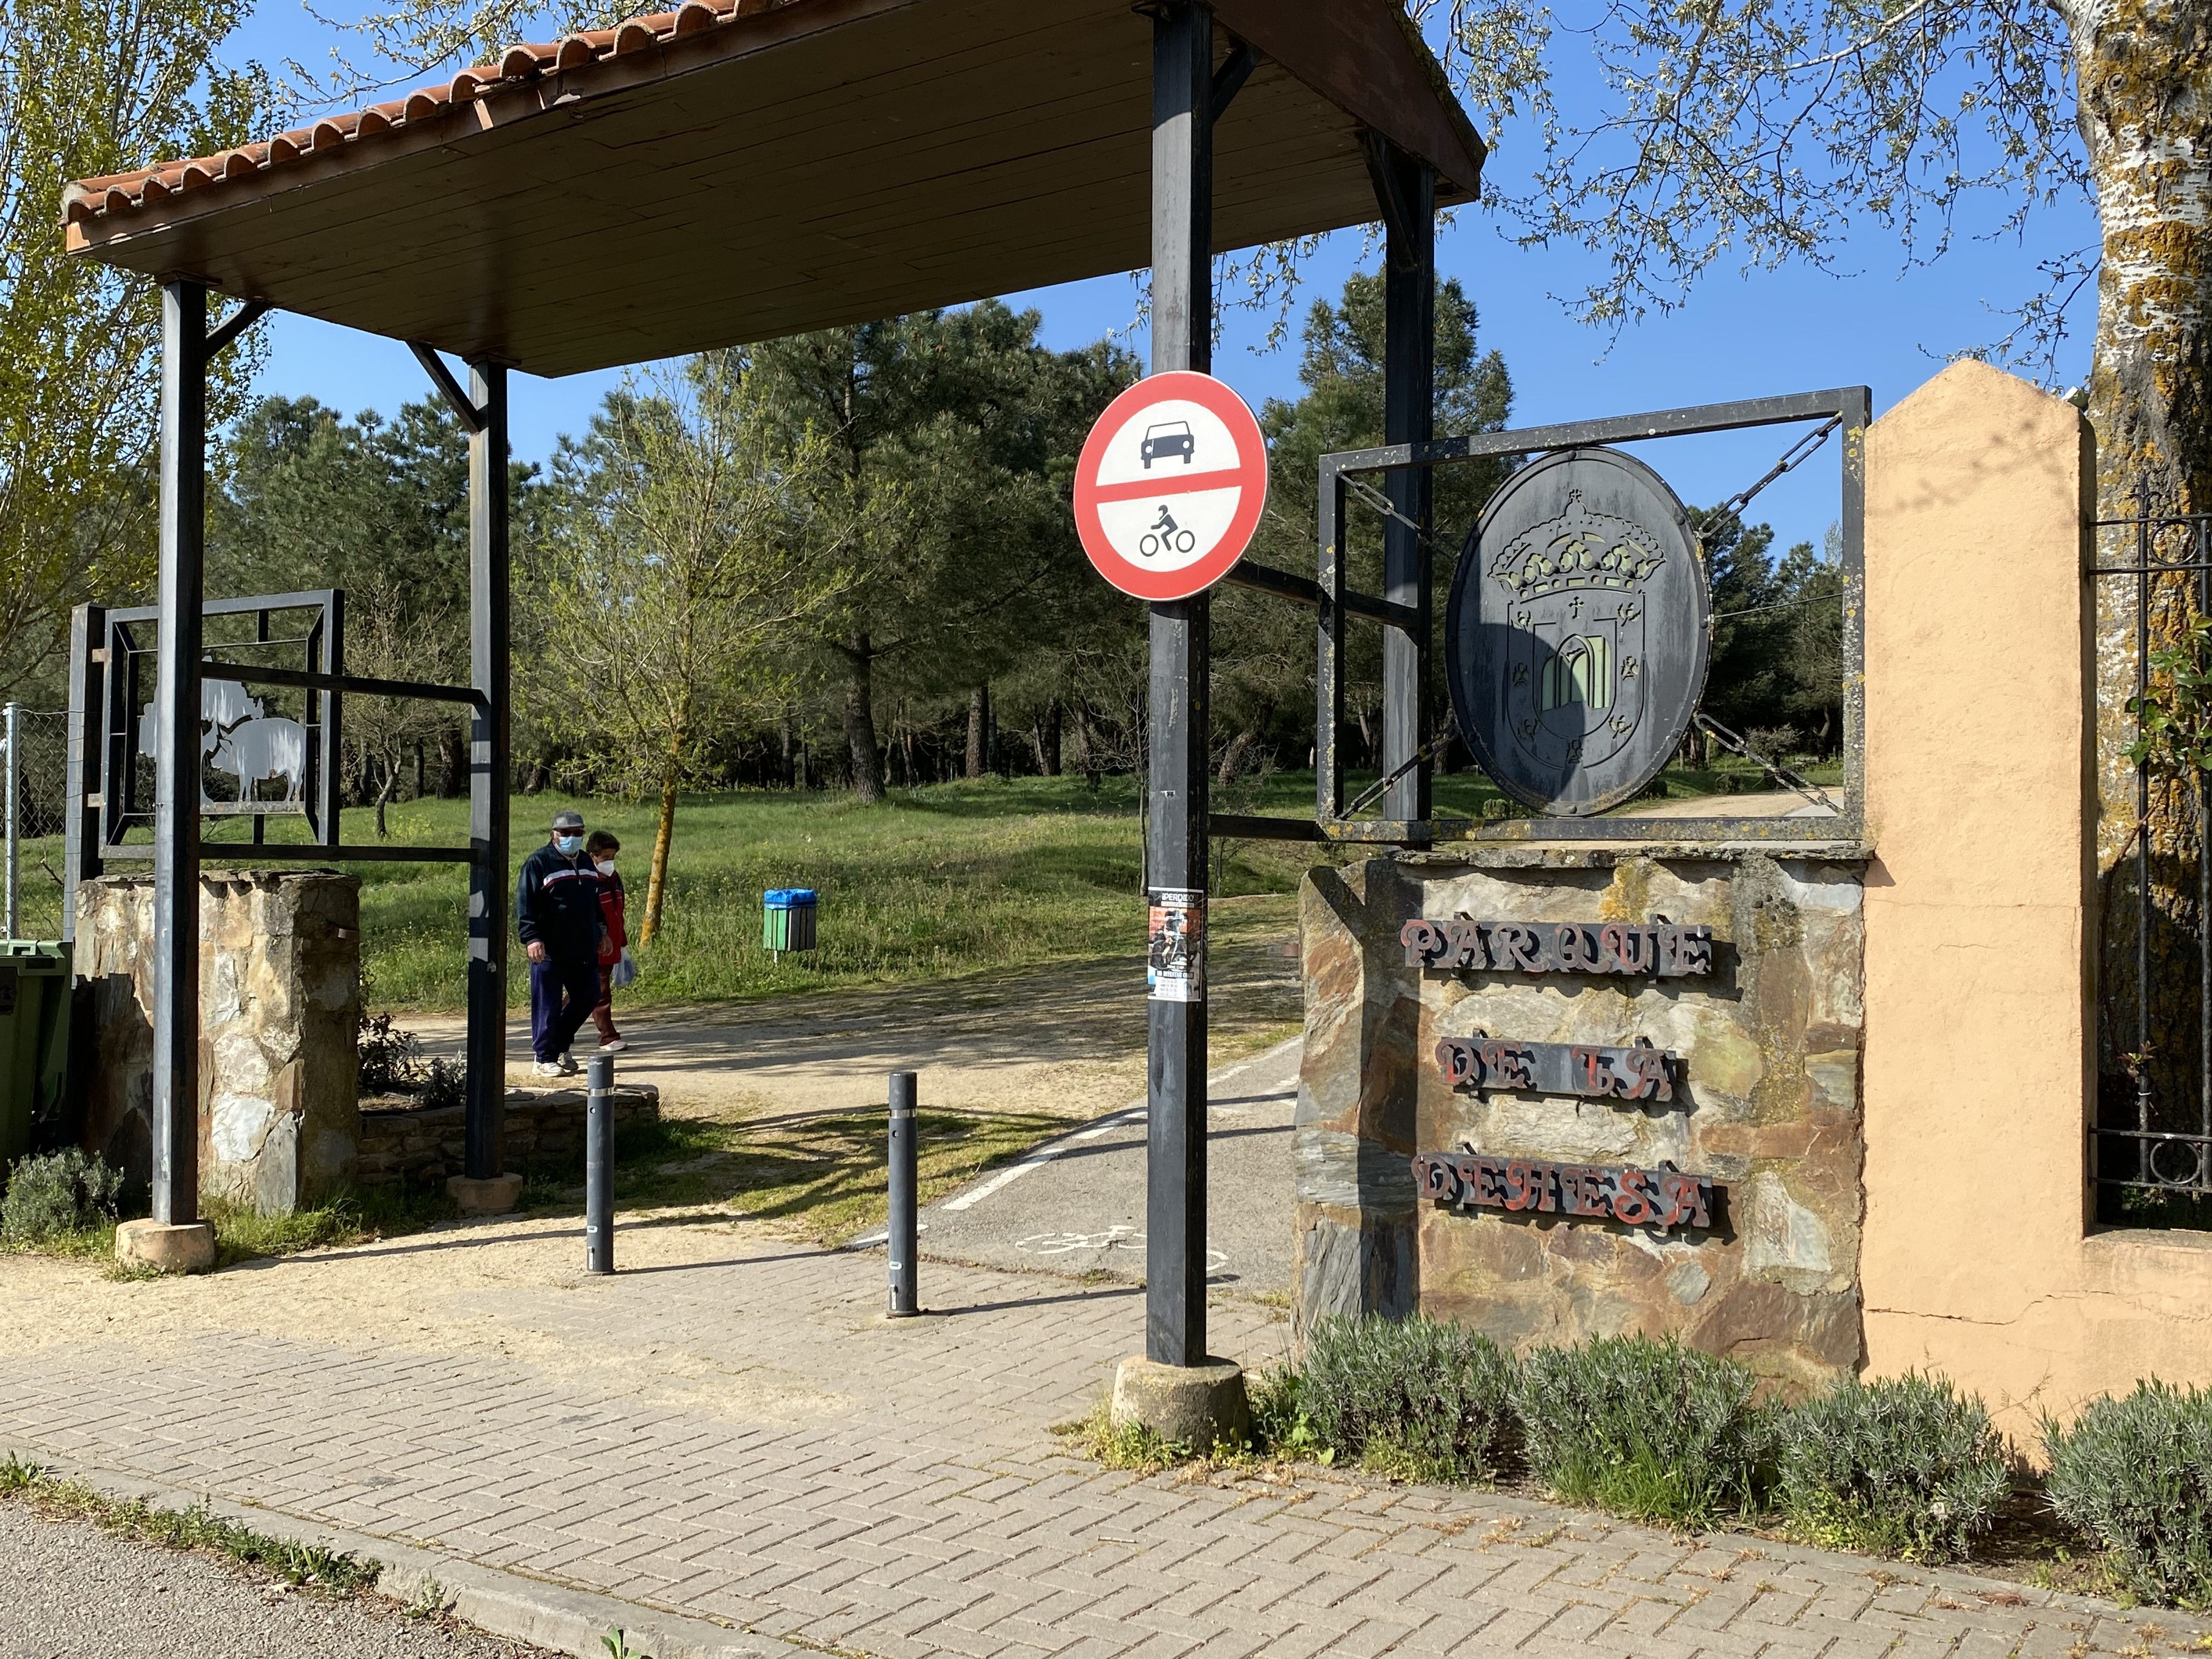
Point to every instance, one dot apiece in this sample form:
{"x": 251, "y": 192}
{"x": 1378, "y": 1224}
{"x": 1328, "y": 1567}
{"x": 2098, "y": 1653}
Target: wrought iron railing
{"x": 2150, "y": 1142}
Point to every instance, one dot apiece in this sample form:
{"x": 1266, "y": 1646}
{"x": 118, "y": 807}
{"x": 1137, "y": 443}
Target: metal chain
{"x": 1782, "y": 774}
{"x": 1792, "y": 458}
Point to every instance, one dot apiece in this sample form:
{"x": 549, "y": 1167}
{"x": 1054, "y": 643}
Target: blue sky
{"x": 1887, "y": 326}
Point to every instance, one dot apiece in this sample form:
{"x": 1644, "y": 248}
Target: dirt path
{"x": 1068, "y": 1040}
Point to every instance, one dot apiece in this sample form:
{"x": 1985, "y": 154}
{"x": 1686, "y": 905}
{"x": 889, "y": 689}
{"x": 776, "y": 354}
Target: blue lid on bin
{"x": 789, "y": 898}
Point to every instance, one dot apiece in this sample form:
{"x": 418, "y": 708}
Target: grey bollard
{"x": 599, "y": 1168}
{"x": 902, "y": 1239}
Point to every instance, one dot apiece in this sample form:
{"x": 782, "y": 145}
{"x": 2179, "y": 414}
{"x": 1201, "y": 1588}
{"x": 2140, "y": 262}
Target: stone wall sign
{"x": 1480, "y": 1061}
{"x": 1558, "y": 947}
{"x": 1663, "y": 1198}
{"x": 1576, "y": 637}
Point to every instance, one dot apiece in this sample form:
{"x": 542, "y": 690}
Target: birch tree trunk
{"x": 2143, "y": 69}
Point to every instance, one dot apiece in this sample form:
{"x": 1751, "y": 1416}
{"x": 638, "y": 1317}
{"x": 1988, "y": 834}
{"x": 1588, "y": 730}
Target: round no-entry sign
{"x": 1171, "y": 485}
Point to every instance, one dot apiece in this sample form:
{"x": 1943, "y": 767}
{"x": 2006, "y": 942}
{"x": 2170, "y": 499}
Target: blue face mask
{"x": 569, "y": 846}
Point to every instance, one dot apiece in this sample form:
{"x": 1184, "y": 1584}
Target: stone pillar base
{"x": 1199, "y": 1406}
{"x": 186, "y": 1246}
{"x": 498, "y": 1195}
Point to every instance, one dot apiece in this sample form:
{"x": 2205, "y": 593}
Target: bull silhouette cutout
{"x": 239, "y": 736}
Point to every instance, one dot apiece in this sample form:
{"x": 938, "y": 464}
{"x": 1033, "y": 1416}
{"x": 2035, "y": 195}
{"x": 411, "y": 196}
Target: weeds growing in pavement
{"x": 1123, "y": 1445}
{"x": 198, "y": 1529}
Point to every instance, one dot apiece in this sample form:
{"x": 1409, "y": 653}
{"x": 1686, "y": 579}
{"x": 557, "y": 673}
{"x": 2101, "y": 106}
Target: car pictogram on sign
{"x": 1171, "y": 533}
{"x": 1169, "y": 438}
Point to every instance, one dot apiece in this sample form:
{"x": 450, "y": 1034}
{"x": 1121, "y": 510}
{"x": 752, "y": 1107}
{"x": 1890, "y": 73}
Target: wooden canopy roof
{"x": 740, "y": 169}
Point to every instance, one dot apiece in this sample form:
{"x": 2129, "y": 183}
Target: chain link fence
{"x": 33, "y": 811}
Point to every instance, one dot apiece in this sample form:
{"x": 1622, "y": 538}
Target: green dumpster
{"x": 35, "y": 1022}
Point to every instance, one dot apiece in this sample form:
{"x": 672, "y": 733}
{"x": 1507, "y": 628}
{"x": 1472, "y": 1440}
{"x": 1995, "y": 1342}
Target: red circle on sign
{"x": 1170, "y": 485}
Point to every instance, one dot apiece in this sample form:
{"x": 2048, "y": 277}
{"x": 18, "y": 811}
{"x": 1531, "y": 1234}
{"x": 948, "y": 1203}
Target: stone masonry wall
{"x": 404, "y": 1143}
{"x": 280, "y": 1008}
{"x": 1767, "y": 1103}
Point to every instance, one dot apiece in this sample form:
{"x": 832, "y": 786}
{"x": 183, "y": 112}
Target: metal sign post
{"x": 1182, "y": 337}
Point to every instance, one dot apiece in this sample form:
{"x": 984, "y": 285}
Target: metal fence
{"x": 2151, "y": 1139}
{"x": 34, "y": 755}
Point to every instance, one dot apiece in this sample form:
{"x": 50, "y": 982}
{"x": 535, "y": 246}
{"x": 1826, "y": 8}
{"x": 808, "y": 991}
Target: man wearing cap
{"x": 556, "y": 911}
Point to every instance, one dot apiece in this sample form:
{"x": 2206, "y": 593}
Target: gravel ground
{"x": 69, "y": 1591}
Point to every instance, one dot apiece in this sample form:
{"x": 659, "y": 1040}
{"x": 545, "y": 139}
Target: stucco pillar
{"x": 1978, "y": 1258}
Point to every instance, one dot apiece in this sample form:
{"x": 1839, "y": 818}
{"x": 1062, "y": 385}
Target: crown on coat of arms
{"x": 1579, "y": 549}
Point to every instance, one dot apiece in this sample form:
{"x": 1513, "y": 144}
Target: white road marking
{"x": 1120, "y": 1120}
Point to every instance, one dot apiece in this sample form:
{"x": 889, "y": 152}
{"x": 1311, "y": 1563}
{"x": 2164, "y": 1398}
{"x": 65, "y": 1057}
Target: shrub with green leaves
{"x": 2136, "y": 1473}
{"x": 52, "y": 1195}
{"x": 1905, "y": 1467}
{"x": 1420, "y": 1398}
{"x": 1650, "y": 1428}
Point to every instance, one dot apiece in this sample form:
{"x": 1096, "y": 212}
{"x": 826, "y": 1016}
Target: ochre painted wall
{"x": 1978, "y": 1259}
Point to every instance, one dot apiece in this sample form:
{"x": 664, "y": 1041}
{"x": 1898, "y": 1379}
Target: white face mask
{"x": 607, "y": 866}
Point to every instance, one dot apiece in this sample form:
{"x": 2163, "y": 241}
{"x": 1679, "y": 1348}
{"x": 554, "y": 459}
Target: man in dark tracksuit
{"x": 556, "y": 911}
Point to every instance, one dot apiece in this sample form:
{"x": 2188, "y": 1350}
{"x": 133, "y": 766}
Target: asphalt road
{"x": 69, "y": 1590}
{"x": 1076, "y": 1205}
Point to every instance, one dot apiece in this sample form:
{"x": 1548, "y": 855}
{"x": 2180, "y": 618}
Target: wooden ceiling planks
{"x": 918, "y": 154}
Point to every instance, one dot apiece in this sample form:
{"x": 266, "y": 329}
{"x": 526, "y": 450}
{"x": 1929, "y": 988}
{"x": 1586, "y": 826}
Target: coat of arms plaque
{"x": 1578, "y": 633}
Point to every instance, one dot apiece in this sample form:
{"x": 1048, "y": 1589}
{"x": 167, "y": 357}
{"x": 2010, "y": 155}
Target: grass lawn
{"x": 935, "y": 883}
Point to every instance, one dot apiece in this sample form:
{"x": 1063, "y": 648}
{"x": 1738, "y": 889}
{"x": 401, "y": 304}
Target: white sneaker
{"x": 614, "y": 1048}
{"x": 547, "y": 1068}
{"x": 568, "y": 1067}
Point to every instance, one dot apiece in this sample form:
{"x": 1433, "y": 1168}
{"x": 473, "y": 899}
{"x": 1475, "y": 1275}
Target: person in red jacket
{"x": 614, "y": 938}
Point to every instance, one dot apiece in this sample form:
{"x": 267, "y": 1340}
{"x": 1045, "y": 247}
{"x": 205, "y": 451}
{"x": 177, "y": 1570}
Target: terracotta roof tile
{"x": 123, "y": 193}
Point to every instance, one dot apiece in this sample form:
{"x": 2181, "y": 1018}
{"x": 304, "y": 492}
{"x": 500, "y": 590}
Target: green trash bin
{"x": 35, "y": 1028}
{"x": 788, "y": 919}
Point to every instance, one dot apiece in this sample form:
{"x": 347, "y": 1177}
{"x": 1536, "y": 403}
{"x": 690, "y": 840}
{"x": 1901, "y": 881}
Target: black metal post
{"x": 87, "y": 750}
{"x": 1182, "y": 337}
{"x": 1406, "y": 190}
{"x": 599, "y": 1168}
{"x": 485, "y": 1131}
{"x": 330, "y": 714}
{"x": 902, "y": 1238}
{"x": 176, "y": 755}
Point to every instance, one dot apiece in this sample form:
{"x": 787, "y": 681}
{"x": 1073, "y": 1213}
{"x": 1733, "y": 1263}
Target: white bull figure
{"x": 257, "y": 749}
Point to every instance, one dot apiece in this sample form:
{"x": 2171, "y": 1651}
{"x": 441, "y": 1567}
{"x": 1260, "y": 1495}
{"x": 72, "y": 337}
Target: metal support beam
{"x": 177, "y": 754}
{"x": 485, "y": 1132}
{"x": 1406, "y": 190}
{"x": 1329, "y": 658}
{"x": 220, "y": 339}
{"x": 469, "y": 411}
{"x": 1229, "y": 80}
{"x": 1182, "y": 337}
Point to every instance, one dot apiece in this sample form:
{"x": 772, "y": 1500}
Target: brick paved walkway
{"x": 731, "y": 1430}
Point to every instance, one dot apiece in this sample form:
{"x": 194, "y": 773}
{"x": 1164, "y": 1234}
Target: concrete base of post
{"x": 186, "y": 1247}
{"x": 498, "y": 1195}
{"x": 1199, "y": 1406}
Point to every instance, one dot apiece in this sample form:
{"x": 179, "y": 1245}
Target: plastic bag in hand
{"x": 624, "y": 972}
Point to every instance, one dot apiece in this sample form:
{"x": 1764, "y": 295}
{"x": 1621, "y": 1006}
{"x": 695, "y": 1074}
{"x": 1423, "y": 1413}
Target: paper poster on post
{"x": 1175, "y": 962}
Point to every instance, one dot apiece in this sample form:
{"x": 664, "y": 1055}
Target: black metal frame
{"x": 109, "y": 681}
{"x": 2127, "y": 1157}
{"x": 1406, "y": 613}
